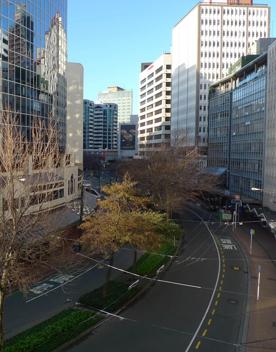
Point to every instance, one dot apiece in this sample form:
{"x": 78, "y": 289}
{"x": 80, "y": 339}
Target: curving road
{"x": 173, "y": 318}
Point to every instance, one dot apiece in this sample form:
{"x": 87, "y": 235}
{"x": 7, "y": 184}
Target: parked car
{"x": 94, "y": 192}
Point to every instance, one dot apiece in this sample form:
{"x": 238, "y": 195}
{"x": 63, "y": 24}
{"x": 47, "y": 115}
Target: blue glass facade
{"x": 33, "y": 45}
{"x": 237, "y": 116}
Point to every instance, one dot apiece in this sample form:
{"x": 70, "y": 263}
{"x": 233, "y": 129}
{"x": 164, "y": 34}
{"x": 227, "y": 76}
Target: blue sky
{"x": 112, "y": 37}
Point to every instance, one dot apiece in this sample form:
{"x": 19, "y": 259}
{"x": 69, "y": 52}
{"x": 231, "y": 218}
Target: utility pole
{"x": 81, "y": 200}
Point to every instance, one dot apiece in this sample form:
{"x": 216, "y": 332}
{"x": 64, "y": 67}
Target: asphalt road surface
{"x": 173, "y": 317}
{"x": 56, "y": 293}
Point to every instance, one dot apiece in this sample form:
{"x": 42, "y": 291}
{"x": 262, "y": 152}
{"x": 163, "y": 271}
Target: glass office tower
{"x": 33, "y": 47}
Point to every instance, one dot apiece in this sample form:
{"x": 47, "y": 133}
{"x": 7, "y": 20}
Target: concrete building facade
{"x": 155, "y": 105}
{"x": 122, "y": 98}
{"x": 205, "y": 43}
{"x": 74, "y": 127}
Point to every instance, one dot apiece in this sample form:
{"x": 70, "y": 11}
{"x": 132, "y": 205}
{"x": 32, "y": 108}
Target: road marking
{"x": 205, "y": 332}
{"x": 215, "y": 288}
{"x": 223, "y": 276}
{"x": 218, "y": 296}
{"x": 221, "y": 282}
{"x": 213, "y": 312}
{"x": 140, "y": 276}
{"x": 198, "y": 345}
{"x": 220, "y": 288}
{"x": 223, "y": 270}
{"x": 210, "y": 322}
{"x": 67, "y": 282}
{"x": 216, "y": 303}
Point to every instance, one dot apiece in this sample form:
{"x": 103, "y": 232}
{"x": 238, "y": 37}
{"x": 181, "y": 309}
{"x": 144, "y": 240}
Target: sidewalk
{"x": 261, "y": 335}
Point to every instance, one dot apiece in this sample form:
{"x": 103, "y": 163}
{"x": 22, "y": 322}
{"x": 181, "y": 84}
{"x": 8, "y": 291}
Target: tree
{"x": 171, "y": 176}
{"x": 122, "y": 219}
{"x": 28, "y": 162}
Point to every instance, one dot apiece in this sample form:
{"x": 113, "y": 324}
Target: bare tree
{"x": 171, "y": 176}
{"x": 28, "y": 164}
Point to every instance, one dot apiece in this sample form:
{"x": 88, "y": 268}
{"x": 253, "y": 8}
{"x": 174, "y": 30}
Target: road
{"x": 59, "y": 292}
{"x": 174, "y": 318}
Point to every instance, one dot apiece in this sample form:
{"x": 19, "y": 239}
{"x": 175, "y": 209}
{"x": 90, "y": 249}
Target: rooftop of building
{"x": 248, "y": 64}
{"x": 230, "y": 3}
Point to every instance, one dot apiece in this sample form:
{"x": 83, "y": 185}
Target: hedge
{"x": 52, "y": 333}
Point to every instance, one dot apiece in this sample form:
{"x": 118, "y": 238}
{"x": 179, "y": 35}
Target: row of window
{"x": 168, "y": 67}
{"x": 233, "y": 11}
{"x": 233, "y": 23}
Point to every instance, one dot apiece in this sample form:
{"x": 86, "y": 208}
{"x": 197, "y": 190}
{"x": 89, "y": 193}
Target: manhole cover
{"x": 236, "y": 268}
{"x": 232, "y": 301}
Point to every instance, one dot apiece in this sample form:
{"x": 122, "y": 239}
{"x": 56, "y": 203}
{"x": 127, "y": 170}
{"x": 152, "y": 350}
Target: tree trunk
{"x": 134, "y": 258}
{"x": 108, "y": 275}
{"x": 2, "y": 299}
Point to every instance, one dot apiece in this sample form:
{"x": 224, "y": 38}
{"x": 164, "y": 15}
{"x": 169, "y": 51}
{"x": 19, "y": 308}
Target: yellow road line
{"x": 216, "y": 304}
{"x": 221, "y": 282}
{"x": 210, "y": 322}
{"x": 220, "y": 288}
{"x": 198, "y": 345}
{"x": 213, "y": 312}
{"x": 218, "y": 296}
{"x": 205, "y": 332}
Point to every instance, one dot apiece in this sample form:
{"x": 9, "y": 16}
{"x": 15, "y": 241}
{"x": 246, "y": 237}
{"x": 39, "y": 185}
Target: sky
{"x": 111, "y": 38}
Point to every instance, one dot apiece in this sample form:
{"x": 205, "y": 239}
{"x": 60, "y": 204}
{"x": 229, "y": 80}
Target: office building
{"x": 155, "y": 105}
{"x": 237, "y": 120}
{"x": 88, "y": 121}
{"x": 205, "y": 43}
{"x": 100, "y": 129}
{"x": 122, "y": 98}
{"x": 33, "y": 85}
{"x": 269, "y": 186}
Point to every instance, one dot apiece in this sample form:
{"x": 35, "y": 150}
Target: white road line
{"x": 140, "y": 276}
{"x": 67, "y": 282}
{"x": 215, "y": 288}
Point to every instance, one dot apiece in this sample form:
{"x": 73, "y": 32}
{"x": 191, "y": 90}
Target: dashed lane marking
{"x": 219, "y": 294}
{"x": 213, "y": 312}
{"x": 205, "y": 332}
{"x": 216, "y": 303}
{"x": 210, "y": 322}
{"x": 198, "y": 345}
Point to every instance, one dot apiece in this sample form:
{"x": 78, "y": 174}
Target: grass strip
{"x": 52, "y": 333}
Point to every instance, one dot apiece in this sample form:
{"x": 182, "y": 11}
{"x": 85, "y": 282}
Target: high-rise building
{"x": 205, "y": 43}
{"x": 121, "y": 97}
{"x": 88, "y": 124}
{"x": 100, "y": 128}
{"x": 155, "y": 105}
{"x": 237, "y": 119}
{"x": 269, "y": 187}
{"x": 33, "y": 84}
